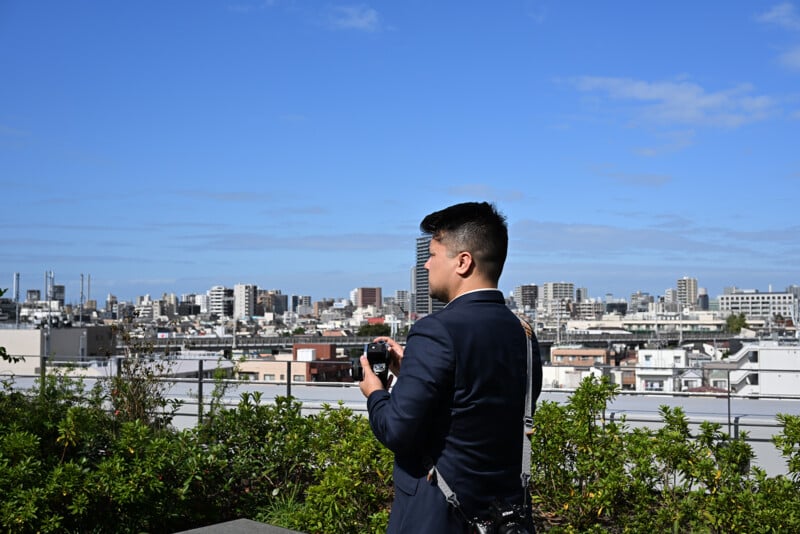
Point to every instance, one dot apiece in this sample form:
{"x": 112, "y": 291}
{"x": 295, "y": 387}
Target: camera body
{"x": 503, "y": 519}
{"x": 378, "y": 357}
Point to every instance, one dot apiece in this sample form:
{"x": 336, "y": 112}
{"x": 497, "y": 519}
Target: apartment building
{"x": 244, "y": 300}
{"x": 687, "y": 292}
{"x": 220, "y": 301}
{"x": 526, "y": 296}
{"x": 556, "y": 299}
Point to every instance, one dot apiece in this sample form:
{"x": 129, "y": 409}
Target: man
{"x": 458, "y": 401}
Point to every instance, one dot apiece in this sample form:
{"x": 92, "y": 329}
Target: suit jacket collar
{"x": 488, "y": 293}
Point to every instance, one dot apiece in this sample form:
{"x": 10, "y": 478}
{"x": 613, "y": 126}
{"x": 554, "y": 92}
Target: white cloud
{"x": 230, "y": 241}
{"x": 536, "y": 11}
{"x": 628, "y": 178}
{"x": 485, "y": 192}
{"x": 682, "y": 102}
{"x": 248, "y": 7}
{"x": 671, "y": 142}
{"x": 578, "y": 240}
{"x": 783, "y": 15}
{"x": 227, "y": 196}
{"x": 791, "y": 58}
{"x": 12, "y": 132}
{"x": 640, "y": 179}
{"x": 360, "y": 17}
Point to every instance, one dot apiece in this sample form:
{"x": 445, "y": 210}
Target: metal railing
{"x": 639, "y": 408}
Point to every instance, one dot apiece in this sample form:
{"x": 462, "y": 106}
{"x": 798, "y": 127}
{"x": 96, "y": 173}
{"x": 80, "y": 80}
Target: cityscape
{"x": 226, "y": 198}
{"x": 678, "y": 341}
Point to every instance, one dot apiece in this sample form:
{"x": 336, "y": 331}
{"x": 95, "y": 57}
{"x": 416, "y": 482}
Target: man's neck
{"x": 468, "y": 286}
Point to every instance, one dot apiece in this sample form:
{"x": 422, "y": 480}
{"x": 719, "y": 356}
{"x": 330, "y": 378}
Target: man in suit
{"x": 458, "y": 401}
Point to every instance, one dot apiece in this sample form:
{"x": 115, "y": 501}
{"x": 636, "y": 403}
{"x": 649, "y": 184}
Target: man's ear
{"x": 465, "y": 263}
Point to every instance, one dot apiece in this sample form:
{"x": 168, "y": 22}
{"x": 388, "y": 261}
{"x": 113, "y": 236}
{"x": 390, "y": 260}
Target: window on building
{"x": 269, "y": 377}
{"x": 752, "y": 356}
{"x": 298, "y": 378}
{"x": 654, "y": 385}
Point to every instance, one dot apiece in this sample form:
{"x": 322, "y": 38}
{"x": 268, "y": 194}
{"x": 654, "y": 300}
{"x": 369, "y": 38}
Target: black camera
{"x": 503, "y": 519}
{"x": 378, "y": 357}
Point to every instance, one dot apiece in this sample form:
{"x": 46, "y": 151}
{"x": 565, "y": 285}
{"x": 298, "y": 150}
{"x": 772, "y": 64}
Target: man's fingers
{"x": 365, "y": 365}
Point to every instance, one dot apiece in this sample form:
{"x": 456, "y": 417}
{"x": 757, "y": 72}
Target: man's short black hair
{"x": 475, "y": 227}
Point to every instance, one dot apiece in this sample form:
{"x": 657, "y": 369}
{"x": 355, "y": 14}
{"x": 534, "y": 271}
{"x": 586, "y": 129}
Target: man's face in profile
{"x": 440, "y": 268}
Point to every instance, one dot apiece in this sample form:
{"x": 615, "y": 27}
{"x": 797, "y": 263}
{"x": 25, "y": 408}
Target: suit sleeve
{"x": 401, "y": 419}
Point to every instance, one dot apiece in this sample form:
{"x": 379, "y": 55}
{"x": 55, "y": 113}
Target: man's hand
{"x": 371, "y": 382}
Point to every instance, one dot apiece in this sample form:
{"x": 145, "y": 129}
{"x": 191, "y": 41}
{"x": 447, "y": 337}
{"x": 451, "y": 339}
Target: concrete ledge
{"x": 239, "y": 526}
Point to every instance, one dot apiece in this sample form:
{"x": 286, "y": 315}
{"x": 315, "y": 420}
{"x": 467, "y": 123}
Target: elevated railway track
{"x": 259, "y": 344}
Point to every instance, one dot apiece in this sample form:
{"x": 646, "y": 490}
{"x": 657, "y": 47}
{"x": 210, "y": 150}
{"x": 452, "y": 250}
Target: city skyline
{"x": 671, "y": 294}
{"x": 173, "y": 147}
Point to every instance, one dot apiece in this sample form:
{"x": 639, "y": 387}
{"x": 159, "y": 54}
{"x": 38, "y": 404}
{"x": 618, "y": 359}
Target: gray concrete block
{"x": 239, "y": 526}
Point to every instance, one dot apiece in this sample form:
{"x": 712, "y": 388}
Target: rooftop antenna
{"x": 48, "y": 282}
{"x": 80, "y": 304}
{"x": 16, "y": 296}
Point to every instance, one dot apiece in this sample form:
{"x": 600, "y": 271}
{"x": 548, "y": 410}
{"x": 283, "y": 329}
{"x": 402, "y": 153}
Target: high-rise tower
{"x": 424, "y": 304}
{"x": 687, "y": 292}
{"x": 244, "y": 300}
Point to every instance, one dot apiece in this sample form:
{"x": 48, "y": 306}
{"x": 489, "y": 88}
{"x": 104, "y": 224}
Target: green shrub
{"x": 68, "y": 464}
{"x": 590, "y": 475}
{"x": 352, "y": 489}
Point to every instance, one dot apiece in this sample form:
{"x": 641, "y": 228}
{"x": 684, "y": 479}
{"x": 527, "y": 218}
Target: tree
{"x": 374, "y": 330}
{"x": 734, "y": 323}
{"x": 3, "y": 353}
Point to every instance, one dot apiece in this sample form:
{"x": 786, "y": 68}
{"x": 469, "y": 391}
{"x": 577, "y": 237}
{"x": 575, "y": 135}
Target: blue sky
{"x": 168, "y": 146}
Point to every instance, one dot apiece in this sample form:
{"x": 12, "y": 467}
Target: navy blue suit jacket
{"x": 459, "y": 403}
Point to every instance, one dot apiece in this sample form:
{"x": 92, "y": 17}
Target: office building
{"x": 755, "y": 305}
{"x": 703, "y": 303}
{"x": 581, "y": 294}
{"x": 640, "y": 301}
{"x": 367, "y": 296}
{"x": 273, "y": 301}
{"x": 58, "y": 294}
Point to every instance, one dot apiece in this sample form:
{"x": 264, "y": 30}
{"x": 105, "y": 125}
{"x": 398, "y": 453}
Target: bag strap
{"x": 449, "y": 494}
{"x": 527, "y": 430}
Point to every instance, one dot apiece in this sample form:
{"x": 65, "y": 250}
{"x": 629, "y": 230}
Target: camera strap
{"x": 527, "y": 430}
{"x": 527, "y": 426}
